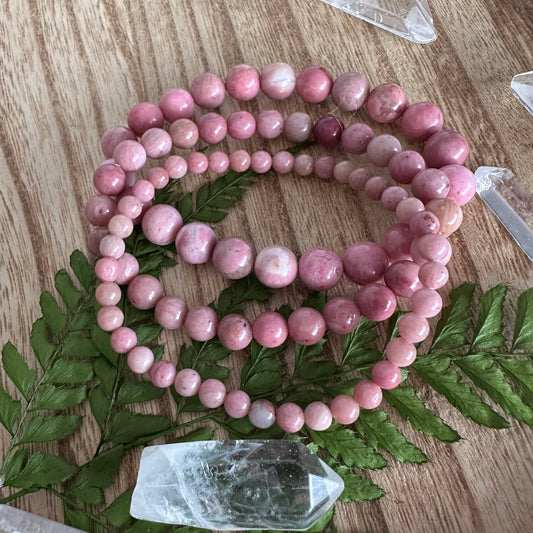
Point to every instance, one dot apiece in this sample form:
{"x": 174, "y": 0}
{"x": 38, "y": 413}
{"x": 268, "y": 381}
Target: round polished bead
{"x": 106, "y": 269}
{"x": 426, "y": 302}
{"x": 376, "y": 302}
{"x": 144, "y": 116}
{"x": 109, "y": 179}
{"x": 241, "y": 125}
{"x": 242, "y": 82}
{"x": 121, "y": 226}
{"x": 269, "y": 124}
{"x": 306, "y": 326}
{"x": 392, "y": 196}
{"x": 234, "y": 331}
{"x": 113, "y": 136}
{"x": 423, "y": 223}
{"x": 314, "y": 84}
{"x": 184, "y": 133}
{"x": 324, "y": 167}
{"x": 298, "y": 127}
{"x": 276, "y": 266}
{"x": 144, "y": 291}
{"x": 318, "y": 416}
{"x": 94, "y": 238}
{"x": 212, "y": 393}
{"x": 433, "y": 275}
{"x": 170, "y": 312}
{"x": 344, "y": 409}
{"x": 123, "y": 340}
{"x": 261, "y": 162}
{"x": 400, "y": 352}
{"x": 304, "y": 165}
{"x": 386, "y": 103}
{"x": 262, "y": 414}
{"x": 187, "y": 382}
{"x": 237, "y": 404}
{"x": 175, "y": 104}
{"x": 449, "y": 214}
{"x": 433, "y": 247}
{"x": 270, "y": 329}
{"x": 212, "y": 128}
{"x": 342, "y": 170}
{"x": 386, "y": 375}
{"x": 320, "y": 269}
{"x": 375, "y": 186}
{"x": 350, "y": 91}
{"x": 156, "y": 142}
{"x": 341, "y": 315}
{"x": 364, "y": 262}
{"x": 195, "y": 243}
{"x": 367, "y": 394}
{"x": 357, "y": 178}
{"x": 355, "y": 138}
{"x": 108, "y": 293}
{"x": 429, "y": 184}
{"x": 128, "y": 268}
{"x": 130, "y": 156}
{"x": 100, "y": 209}
{"x": 462, "y": 183}
{"x": 233, "y": 258}
{"x": 110, "y": 317}
{"x": 218, "y": 162}
{"x": 208, "y": 90}
{"x": 140, "y": 359}
{"x": 161, "y": 223}
{"x": 290, "y": 417}
{"x": 176, "y": 167}
{"x": 397, "y": 241}
{"x": 201, "y": 323}
{"x": 402, "y": 278}
{"x": 283, "y": 162}
{"x": 240, "y": 160}
{"x": 278, "y": 81}
{"x": 421, "y": 120}
{"x": 143, "y": 190}
{"x": 405, "y": 165}
{"x": 112, "y": 246}
{"x": 407, "y": 208}
{"x": 197, "y": 162}
{"x": 381, "y": 148}
{"x": 445, "y": 147}
{"x": 413, "y": 327}
{"x": 328, "y": 130}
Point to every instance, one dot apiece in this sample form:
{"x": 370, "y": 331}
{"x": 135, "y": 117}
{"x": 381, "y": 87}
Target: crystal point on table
{"x": 410, "y": 19}
{"x": 234, "y": 485}
{"x": 14, "y": 520}
{"x": 522, "y": 87}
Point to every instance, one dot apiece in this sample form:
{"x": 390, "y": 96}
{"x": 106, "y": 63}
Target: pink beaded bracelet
{"x": 409, "y": 262}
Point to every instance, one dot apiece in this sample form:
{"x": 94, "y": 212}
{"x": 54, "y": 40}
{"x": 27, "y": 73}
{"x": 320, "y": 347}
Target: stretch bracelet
{"x": 409, "y": 262}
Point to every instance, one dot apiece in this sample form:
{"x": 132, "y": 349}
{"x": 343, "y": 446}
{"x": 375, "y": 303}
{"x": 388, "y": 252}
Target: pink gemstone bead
{"x": 344, "y": 409}
{"x": 397, "y": 241}
{"x": 187, "y": 382}
{"x": 184, "y": 133}
{"x": 375, "y": 186}
{"x": 195, "y": 243}
{"x": 433, "y": 247}
{"x": 140, "y": 359}
{"x": 233, "y": 258}
{"x": 212, "y": 128}
{"x": 376, "y": 302}
{"x": 241, "y": 125}
{"x": 314, "y": 84}
{"x": 276, "y": 266}
{"x": 108, "y": 293}
{"x": 433, "y": 275}
{"x": 303, "y": 165}
{"x": 114, "y": 136}
{"x": 341, "y": 315}
{"x": 144, "y": 116}
{"x": 404, "y": 165}
{"x": 278, "y": 81}
{"x": 235, "y": 331}
{"x": 320, "y": 269}
{"x": 123, "y": 340}
{"x": 129, "y": 268}
{"x": 386, "y": 103}
{"x": 176, "y": 167}
{"x": 386, "y": 375}
{"x": 110, "y": 317}
{"x": 130, "y": 155}
{"x": 201, "y": 323}
{"x": 161, "y": 224}
{"x": 197, "y": 162}
{"x": 424, "y": 222}
{"x": 324, "y": 167}
{"x": 208, "y": 90}
{"x": 242, "y": 82}
{"x": 392, "y": 196}
{"x": 130, "y": 206}
{"x": 342, "y": 170}
{"x": 318, "y": 416}
{"x": 162, "y": 374}
{"x": 157, "y": 143}
{"x": 93, "y": 240}
{"x": 290, "y": 417}
{"x": 355, "y": 138}
{"x": 306, "y": 326}
{"x": 218, "y": 162}
{"x": 121, "y": 226}
{"x": 262, "y": 414}
{"x": 106, "y": 269}
{"x": 144, "y": 291}
{"x": 381, "y": 148}
{"x": 445, "y": 147}
{"x": 367, "y": 394}
{"x": 421, "y": 120}
{"x": 112, "y": 246}
{"x": 364, "y": 262}
{"x": 176, "y": 104}
{"x": 413, "y": 328}
{"x": 237, "y": 404}
{"x": 109, "y": 179}
{"x": 426, "y": 302}
{"x": 298, "y": 127}
{"x": 143, "y": 190}
{"x": 462, "y": 183}
{"x": 407, "y": 208}
{"x": 327, "y": 131}
{"x": 170, "y": 312}
{"x": 100, "y": 209}
{"x": 429, "y": 184}
{"x": 212, "y": 393}
{"x": 270, "y": 329}
{"x": 400, "y": 352}
{"x": 240, "y": 160}
{"x": 358, "y": 178}
{"x": 402, "y": 278}
{"x": 261, "y": 162}
{"x": 283, "y": 162}
{"x": 449, "y": 214}
{"x": 350, "y": 91}
{"x": 269, "y": 124}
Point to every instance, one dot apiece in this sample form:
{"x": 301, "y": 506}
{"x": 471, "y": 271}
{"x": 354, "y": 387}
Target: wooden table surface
{"x": 69, "y": 70}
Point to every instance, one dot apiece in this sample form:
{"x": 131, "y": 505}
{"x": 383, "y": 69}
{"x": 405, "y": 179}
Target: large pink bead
{"x": 367, "y": 394}
{"x": 397, "y": 240}
{"x": 350, "y": 91}
{"x": 400, "y": 352}
{"x": 290, "y": 417}
{"x": 144, "y": 116}
{"x": 130, "y": 155}
{"x": 130, "y": 206}
{"x": 144, "y": 291}
{"x": 404, "y": 165}
{"x": 433, "y": 275}
{"x": 197, "y": 162}
{"x": 298, "y": 127}
{"x": 445, "y": 147}
{"x": 208, "y": 90}
{"x": 318, "y": 416}
{"x": 376, "y": 302}
{"x": 170, "y": 312}
{"x": 421, "y": 120}
{"x": 106, "y": 269}
{"x": 276, "y": 266}
{"x": 100, "y": 209}
{"x": 402, "y": 278}
{"x": 327, "y": 131}
{"x": 320, "y": 269}
{"x": 143, "y": 190}
{"x": 161, "y": 224}
{"x": 386, "y": 375}
{"x": 270, "y": 329}
{"x": 355, "y": 138}
{"x": 306, "y": 326}
{"x": 108, "y": 293}
{"x": 237, "y": 404}
{"x": 242, "y": 82}
{"x": 241, "y": 125}
{"x": 462, "y": 183}
{"x": 195, "y": 243}
{"x": 269, "y": 124}
{"x": 187, "y": 382}
{"x": 112, "y": 246}
{"x": 201, "y": 323}
{"x": 449, "y": 214}
{"x": 433, "y": 247}
{"x": 429, "y": 184}
{"x": 262, "y": 414}
{"x": 109, "y": 179}
{"x": 212, "y": 393}
{"x": 341, "y": 315}
{"x": 123, "y": 340}
{"x": 314, "y": 84}
{"x": 176, "y": 103}
{"x": 381, "y": 148}
{"x": 212, "y": 128}
{"x": 278, "y": 81}
{"x": 176, "y": 167}
{"x": 344, "y": 409}
{"x": 157, "y": 142}
{"x": 233, "y": 258}
{"x": 162, "y": 374}
{"x": 413, "y": 327}
{"x": 114, "y": 136}
{"x": 364, "y": 262}
{"x": 140, "y": 359}
{"x": 184, "y": 133}
{"x": 234, "y": 331}
{"x": 129, "y": 268}
{"x": 386, "y": 103}
{"x": 110, "y": 317}
{"x": 426, "y": 302}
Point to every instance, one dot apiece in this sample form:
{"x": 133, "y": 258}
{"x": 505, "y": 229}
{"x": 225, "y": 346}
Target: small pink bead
{"x": 261, "y": 162}
{"x": 197, "y": 162}
{"x": 314, "y": 84}
{"x": 128, "y": 269}
{"x": 241, "y": 125}
{"x": 158, "y": 177}
{"x": 402, "y": 278}
{"x": 208, "y": 90}
{"x": 262, "y": 414}
{"x": 397, "y": 241}
{"x": 341, "y": 315}
{"x": 426, "y": 302}
{"x": 355, "y": 138}
{"x": 433, "y": 275}
{"x": 212, "y": 128}
{"x": 143, "y": 190}
{"x": 364, "y": 262}
{"x": 344, "y": 409}
{"x": 212, "y": 393}
{"x": 237, "y": 404}
{"x": 303, "y": 165}
{"x": 306, "y": 326}
{"x": 162, "y": 374}
{"x": 157, "y": 143}
{"x": 421, "y": 120}
{"x": 407, "y": 208}
{"x": 108, "y": 293}
{"x": 392, "y": 196}
{"x": 109, "y": 179}
{"x": 328, "y": 130}
{"x": 290, "y": 417}
{"x": 324, "y": 167}
{"x": 130, "y": 206}
{"x": 350, "y": 91}
{"x": 320, "y": 269}
{"x": 342, "y": 170}
{"x": 367, "y": 394}
{"x": 242, "y": 82}
{"x": 187, "y": 382}
{"x": 276, "y": 266}
{"x": 123, "y": 340}
{"x": 269, "y": 124}
{"x": 358, "y": 178}
{"x": 110, "y": 317}
{"x": 140, "y": 359}
{"x": 176, "y": 167}
{"x": 381, "y": 148}
{"x": 233, "y": 258}
{"x": 121, "y": 226}
{"x": 433, "y": 247}
{"x": 175, "y": 104}
{"x": 386, "y": 375}
{"x": 184, "y": 133}
{"x": 100, "y": 209}
{"x": 114, "y": 136}
{"x": 235, "y": 331}
{"x": 240, "y": 160}
{"x": 170, "y": 312}
{"x": 386, "y": 103}
{"x": 424, "y": 222}
{"x": 161, "y": 224}
{"x": 130, "y": 155}
{"x": 400, "y": 352}
{"x": 195, "y": 243}
{"x": 144, "y": 291}
{"x": 270, "y": 329}
{"x": 413, "y": 328}
{"x": 404, "y": 165}
{"x": 94, "y": 238}
{"x": 106, "y": 269}
{"x": 445, "y": 147}
{"x": 112, "y": 246}
{"x": 201, "y": 323}
{"x": 376, "y": 302}
{"x": 283, "y": 162}
{"x": 318, "y": 416}
{"x": 462, "y": 183}
{"x": 375, "y": 186}
{"x": 144, "y": 116}
{"x": 429, "y": 184}
{"x": 218, "y": 162}
{"x": 298, "y": 127}
{"x": 278, "y": 81}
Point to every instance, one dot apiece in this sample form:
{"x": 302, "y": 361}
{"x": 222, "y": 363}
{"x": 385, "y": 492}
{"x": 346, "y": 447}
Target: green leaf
{"x": 83, "y": 270}
{"x": 52, "y": 313}
{"x": 320, "y": 525}
{"x": 211, "y": 370}
{"x": 521, "y": 373}
{"x": 101, "y": 340}
{"x": 127, "y": 427}
{"x": 118, "y": 512}
{"x": 483, "y": 372}
{"x": 260, "y": 373}
{"x": 69, "y": 293}
{"x": 316, "y": 370}
{"x": 43, "y": 470}
{"x": 78, "y": 519}
{"x": 248, "y": 289}
{"x": 90, "y": 495}
{"x": 40, "y": 342}
{"x": 53, "y": 397}
{"x": 356, "y": 488}
{"x": 376, "y": 428}
{"x": 99, "y": 405}
{"x": 106, "y": 373}
{"x": 437, "y": 372}
{"x": 69, "y": 371}
{"x": 17, "y": 369}
{"x": 211, "y": 350}
{"x": 9, "y": 410}
{"x": 488, "y": 332}
{"x": 147, "y": 333}
{"x": 184, "y": 205}
{"x": 45, "y": 429}
{"x": 77, "y": 345}
{"x": 359, "y": 349}
{"x": 133, "y": 391}
{"x": 143, "y": 526}
{"x": 304, "y": 397}
{"x": 523, "y": 328}
{"x": 303, "y": 353}
{"x": 14, "y": 464}
{"x": 316, "y": 299}
{"x": 412, "y": 408}
{"x": 342, "y": 443}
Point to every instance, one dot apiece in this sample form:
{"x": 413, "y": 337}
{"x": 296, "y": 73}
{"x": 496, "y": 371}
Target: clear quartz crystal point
{"x": 410, "y": 19}
{"x": 510, "y": 201}
{"x": 522, "y": 87}
{"x": 14, "y": 520}
{"x": 234, "y": 485}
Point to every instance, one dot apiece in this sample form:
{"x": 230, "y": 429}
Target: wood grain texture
{"x": 69, "y": 70}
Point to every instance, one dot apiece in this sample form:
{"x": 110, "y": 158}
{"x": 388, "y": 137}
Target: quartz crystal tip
{"x": 234, "y": 485}
{"x": 14, "y": 520}
{"x": 522, "y": 87}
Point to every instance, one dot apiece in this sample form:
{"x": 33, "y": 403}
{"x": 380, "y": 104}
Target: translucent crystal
{"x": 14, "y": 520}
{"x": 234, "y": 485}
{"x": 410, "y": 19}
{"x": 510, "y": 201}
{"x": 522, "y": 87}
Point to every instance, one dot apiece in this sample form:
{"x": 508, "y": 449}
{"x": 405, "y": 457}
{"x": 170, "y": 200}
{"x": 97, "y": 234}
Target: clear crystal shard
{"x": 14, "y": 520}
{"x": 234, "y": 485}
{"x": 510, "y": 201}
{"x": 522, "y": 87}
{"x": 410, "y": 19}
